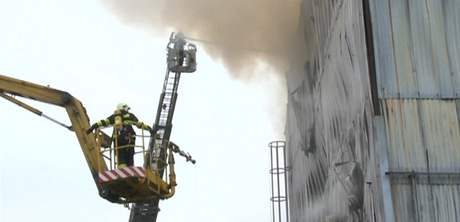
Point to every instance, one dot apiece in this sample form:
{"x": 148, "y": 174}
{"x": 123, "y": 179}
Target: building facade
{"x": 373, "y": 112}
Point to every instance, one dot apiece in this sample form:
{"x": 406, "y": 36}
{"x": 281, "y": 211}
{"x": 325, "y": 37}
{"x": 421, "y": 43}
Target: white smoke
{"x": 240, "y": 33}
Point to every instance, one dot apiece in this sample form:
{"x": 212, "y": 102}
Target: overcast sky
{"x": 82, "y": 48}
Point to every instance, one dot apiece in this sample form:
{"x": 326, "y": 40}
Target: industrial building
{"x": 372, "y": 123}
{"x": 372, "y": 130}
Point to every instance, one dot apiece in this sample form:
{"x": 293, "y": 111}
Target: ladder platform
{"x": 132, "y": 184}
{"x": 121, "y": 173}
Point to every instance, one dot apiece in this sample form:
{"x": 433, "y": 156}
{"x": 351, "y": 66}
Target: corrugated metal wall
{"x": 410, "y": 159}
{"x": 417, "y": 50}
{"x": 329, "y": 141}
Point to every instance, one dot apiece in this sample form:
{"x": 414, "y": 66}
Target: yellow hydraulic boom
{"x": 10, "y": 87}
{"x": 136, "y": 184}
{"x": 145, "y": 185}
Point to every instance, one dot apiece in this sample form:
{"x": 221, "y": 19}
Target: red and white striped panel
{"x": 121, "y": 173}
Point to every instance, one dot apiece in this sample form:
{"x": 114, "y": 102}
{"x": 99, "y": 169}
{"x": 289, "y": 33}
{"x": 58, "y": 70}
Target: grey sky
{"x": 80, "y": 47}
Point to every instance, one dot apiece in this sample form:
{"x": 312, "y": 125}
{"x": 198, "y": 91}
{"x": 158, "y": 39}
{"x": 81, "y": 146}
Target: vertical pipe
{"x": 413, "y": 186}
{"x": 278, "y": 181}
{"x": 271, "y": 177}
{"x": 143, "y": 145}
{"x": 110, "y": 156}
{"x": 98, "y": 147}
{"x": 115, "y": 151}
{"x": 286, "y": 168}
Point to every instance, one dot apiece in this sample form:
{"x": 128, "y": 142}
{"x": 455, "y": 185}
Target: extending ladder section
{"x": 181, "y": 58}
{"x": 147, "y": 211}
{"x": 163, "y": 126}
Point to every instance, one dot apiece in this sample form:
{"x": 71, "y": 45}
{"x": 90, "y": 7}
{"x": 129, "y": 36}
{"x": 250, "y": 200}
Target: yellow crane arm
{"x": 79, "y": 119}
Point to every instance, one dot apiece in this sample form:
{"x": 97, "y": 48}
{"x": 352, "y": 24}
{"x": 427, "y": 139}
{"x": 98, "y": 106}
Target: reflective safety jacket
{"x": 122, "y": 119}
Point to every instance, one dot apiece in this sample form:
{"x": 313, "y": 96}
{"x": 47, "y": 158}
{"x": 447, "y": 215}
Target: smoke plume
{"x": 240, "y": 33}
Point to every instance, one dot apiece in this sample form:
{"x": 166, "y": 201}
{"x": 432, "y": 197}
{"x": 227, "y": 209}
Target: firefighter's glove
{"x": 150, "y": 129}
{"x": 91, "y": 129}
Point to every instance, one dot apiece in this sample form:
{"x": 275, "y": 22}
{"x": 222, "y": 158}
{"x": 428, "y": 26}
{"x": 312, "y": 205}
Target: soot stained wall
{"x": 330, "y": 153}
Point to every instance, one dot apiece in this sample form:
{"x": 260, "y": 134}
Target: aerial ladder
{"x": 180, "y": 59}
{"x": 140, "y": 186}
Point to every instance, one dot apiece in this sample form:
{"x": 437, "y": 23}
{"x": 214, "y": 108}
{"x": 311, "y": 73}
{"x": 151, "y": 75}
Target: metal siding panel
{"x": 441, "y": 134}
{"x": 424, "y": 203}
{"x": 382, "y": 153}
{"x": 402, "y": 200}
{"x": 416, "y": 128}
{"x": 412, "y": 137}
{"x": 422, "y": 49}
{"x": 434, "y": 203}
{"x": 405, "y": 146}
{"x": 457, "y": 105}
{"x": 456, "y": 201}
{"x": 385, "y": 66}
{"x": 451, "y": 135}
{"x": 393, "y": 120}
{"x": 439, "y": 48}
{"x": 452, "y": 24}
{"x": 402, "y": 48}
{"x": 417, "y": 48}
{"x": 455, "y": 195}
{"x": 444, "y": 202}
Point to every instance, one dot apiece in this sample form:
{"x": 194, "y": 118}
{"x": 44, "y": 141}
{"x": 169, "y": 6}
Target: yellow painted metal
{"x": 172, "y": 175}
{"x": 130, "y": 189}
{"x": 75, "y": 110}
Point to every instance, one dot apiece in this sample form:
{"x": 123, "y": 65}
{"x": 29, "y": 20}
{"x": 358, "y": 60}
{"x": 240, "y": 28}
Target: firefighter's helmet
{"x": 123, "y": 107}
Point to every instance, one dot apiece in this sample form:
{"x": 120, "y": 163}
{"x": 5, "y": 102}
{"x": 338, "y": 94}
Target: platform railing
{"x": 109, "y": 149}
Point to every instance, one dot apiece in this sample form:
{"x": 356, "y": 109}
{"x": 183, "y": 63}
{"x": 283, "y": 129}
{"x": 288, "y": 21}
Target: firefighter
{"x": 123, "y": 134}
